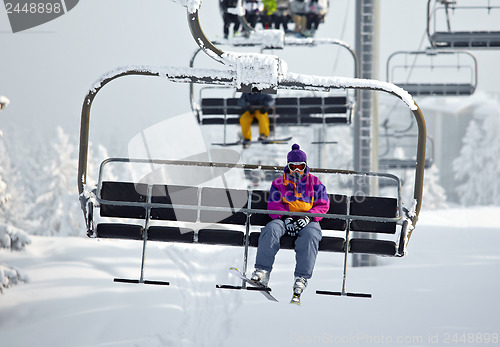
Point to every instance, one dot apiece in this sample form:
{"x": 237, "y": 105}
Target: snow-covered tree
{"x": 478, "y": 168}
{"x": 4, "y": 195}
{"x": 11, "y": 238}
{"x": 56, "y": 204}
{"x": 434, "y": 195}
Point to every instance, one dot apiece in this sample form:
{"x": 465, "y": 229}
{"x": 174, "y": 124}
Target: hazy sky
{"x": 46, "y": 71}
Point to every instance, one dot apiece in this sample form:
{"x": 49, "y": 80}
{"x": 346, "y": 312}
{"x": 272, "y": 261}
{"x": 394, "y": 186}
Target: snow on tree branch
{"x": 13, "y": 238}
{"x": 10, "y": 276}
{"x": 477, "y": 168}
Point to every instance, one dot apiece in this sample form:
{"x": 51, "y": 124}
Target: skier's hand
{"x": 287, "y": 220}
{"x": 292, "y": 228}
{"x": 253, "y": 108}
{"x": 302, "y": 221}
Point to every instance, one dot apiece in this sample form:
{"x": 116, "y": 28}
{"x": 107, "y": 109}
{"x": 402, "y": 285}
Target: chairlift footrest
{"x": 134, "y": 281}
{"x": 357, "y": 295}
{"x": 228, "y": 286}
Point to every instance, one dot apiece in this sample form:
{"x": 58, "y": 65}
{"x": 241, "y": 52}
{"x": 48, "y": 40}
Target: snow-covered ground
{"x": 444, "y": 292}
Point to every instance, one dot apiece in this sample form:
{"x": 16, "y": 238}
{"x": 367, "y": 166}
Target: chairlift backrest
{"x": 176, "y": 195}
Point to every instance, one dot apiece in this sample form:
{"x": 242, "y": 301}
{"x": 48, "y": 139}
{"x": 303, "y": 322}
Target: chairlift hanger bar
{"x": 284, "y": 80}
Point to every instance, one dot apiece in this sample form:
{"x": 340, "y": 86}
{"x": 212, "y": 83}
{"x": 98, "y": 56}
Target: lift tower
{"x": 366, "y": 119}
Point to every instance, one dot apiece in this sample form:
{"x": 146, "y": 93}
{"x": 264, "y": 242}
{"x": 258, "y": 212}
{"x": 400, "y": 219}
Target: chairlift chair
{"x": 433, "y": 72}
{"x": 453, "y": 38}
{"x": 297, "y": 109}
{"x": 390, "y": 160}
{"x": 255, "y": 36}
{"x": 125, "y": 201}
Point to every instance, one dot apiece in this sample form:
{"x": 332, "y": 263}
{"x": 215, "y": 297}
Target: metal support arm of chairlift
{"x": 285, "y": 81}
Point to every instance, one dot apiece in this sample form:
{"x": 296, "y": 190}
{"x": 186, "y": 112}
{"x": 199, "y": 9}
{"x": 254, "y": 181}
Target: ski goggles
{"x": 296, "y": 166}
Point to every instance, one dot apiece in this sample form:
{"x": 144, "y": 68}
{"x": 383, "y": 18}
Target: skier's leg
{"x": 263, "y": 123}
{"x": 226, "y": 20}
{"x": 306, "y": 249}
{"x": 236, "y": 24}
{"x": 269, "y": 244}
{"x": 246, "y": 125}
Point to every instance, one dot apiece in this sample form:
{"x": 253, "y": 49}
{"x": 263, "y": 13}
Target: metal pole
{"x": 365, "y": 121}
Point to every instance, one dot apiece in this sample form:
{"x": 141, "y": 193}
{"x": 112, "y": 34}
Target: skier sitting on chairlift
{"x": 254, "y": 105}
{"x": 295, "y": 191}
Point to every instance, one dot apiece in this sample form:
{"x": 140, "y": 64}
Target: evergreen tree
{"x": 477, "y": 168}
{"x": 11, "y": 238}
{"x": 55, "y": 211}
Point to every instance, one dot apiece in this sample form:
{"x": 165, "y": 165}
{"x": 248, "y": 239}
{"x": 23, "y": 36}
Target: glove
{"x": 263, "y": 109}
{"x": 302, "y": 221}
{"x": 287, "y": 220}
{"x": 252, "y": 108}
{"x": 292, "y": 229}
{"x": 290, "y": 226}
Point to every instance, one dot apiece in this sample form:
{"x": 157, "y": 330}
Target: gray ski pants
{"x": 306, "y": 247}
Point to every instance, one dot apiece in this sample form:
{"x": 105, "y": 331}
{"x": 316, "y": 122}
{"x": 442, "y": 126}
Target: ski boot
{"x": 260, "y": 277}
{"x": 298, "y": 287}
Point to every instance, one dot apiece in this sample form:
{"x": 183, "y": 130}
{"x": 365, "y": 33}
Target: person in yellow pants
{"x": 254, "y": 105}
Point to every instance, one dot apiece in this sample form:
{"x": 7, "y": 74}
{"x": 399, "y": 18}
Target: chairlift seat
{"x": 170, "y": 234}
{"x": 391, "y": 163}
{"x": 371, "y": 246}
{"x": 445, "y": 89}
{"x": 466, "y": 39}
{"x": 221, "y": 237}
{"x": 119, "y": 231}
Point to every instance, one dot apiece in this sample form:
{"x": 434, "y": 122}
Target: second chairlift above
{"x": 444, "y": 11}
{"x": 291, "y": 108}
{"x": 423, "y": 73}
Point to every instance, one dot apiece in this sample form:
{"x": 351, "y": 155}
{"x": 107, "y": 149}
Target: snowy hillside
{"x": 444, "y": 290}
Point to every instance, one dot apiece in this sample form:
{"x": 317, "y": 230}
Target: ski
{"x": 279, "y": 141}
{"x": 265, "y": 142}
{"x": 264, "y": 290}
{"x": 295, "y": 299}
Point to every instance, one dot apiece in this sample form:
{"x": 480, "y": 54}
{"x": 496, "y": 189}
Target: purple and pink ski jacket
{"x": 306, "y": 195}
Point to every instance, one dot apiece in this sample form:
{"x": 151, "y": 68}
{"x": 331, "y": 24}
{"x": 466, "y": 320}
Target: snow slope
{"x": 446, "y": 288}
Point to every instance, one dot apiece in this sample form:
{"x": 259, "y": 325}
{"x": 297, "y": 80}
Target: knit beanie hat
{"x": 296, "y": 155}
